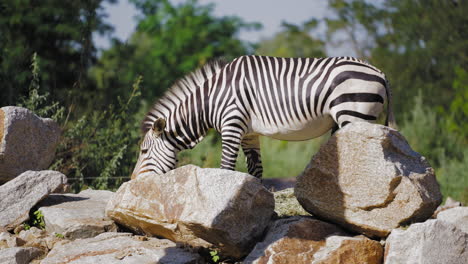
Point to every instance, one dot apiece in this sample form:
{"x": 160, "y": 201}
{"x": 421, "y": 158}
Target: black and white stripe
{"x": 283, "y": 98}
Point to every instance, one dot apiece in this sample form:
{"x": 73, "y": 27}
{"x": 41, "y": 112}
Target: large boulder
{"x": 18, "y": 255}
{"x": 21, "y": 194}
{"x": 307, "y": 240}
{"x": 27, "y": 142}
{"x": 120, "y": 248}
{"x": 368, "y": 179}
{"x": 433, "y": 241}
{"x": 77, "y": 215}
{"x": 457, "y": 216}
{"x": 211, "y": 208}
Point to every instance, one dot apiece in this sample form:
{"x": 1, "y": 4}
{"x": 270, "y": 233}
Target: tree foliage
{"x": 169, "y": 42}
{"x": 60, "y": 32}
{"x": 293, "y": 41}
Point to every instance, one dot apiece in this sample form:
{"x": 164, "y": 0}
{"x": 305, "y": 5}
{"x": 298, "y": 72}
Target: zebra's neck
{"x": 187, "y": 124}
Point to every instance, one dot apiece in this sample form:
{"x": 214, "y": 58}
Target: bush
{"x": 99, "y": 148}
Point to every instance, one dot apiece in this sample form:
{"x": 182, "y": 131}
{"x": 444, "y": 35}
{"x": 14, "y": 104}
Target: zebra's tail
{"x": 390, "y": 119}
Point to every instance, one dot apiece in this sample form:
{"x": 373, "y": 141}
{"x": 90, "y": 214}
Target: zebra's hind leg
{"x": 251, "y": 148}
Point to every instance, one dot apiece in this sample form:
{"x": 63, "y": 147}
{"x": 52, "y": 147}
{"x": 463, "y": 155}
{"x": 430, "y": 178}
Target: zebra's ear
{"x": 158, "y": 126}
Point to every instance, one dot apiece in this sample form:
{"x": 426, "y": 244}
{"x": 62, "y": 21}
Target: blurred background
{"x": 96, "y": 66}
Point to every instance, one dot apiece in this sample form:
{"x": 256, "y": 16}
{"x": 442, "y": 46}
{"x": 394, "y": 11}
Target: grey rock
{"x": 368, "y": 179}
{"x": 38, "y": 238}
{"x": 212, "y": 208}
{"x": 18, "y": 255}
{"x": 120, "y": 248}
{"x": 308, "y": 240}
{"x": 27, "y": 142}
{"x": 77, "y": 215}
{"x": 286, "y": 204}
{"x": 457, "y": 216}
{"x": 431, "y": 242}
{"x": 21, "y": 194}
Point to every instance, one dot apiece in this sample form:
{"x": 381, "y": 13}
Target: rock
{"x": 457, "y": 216}
{"x": 77, "y": 215}
{"x": 120, "y": 248}
{"x": 27, "y": 142}
{"x": 38, "y": 238}
{"x": 278, "y": 184}
{"x": 18, "y": 255}
{"x": 368, "y": 179}
{"x": 449, "y": 203}
{"x": 215, "y": 208}
{"x": 21, "y": 194}
{"x": 286, "y": 204}
{"x": 7, "y": 240}
{"x": 433, "y": 241}
{"x": 307, "y": 240}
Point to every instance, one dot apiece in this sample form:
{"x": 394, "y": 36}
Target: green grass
{"x": 281, "y": 159}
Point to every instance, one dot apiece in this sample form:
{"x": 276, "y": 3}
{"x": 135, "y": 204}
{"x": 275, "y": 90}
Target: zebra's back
{"x": 302, "y": 98}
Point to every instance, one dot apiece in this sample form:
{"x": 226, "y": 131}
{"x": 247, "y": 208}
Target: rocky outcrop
{"x": 217, "y": 208}
{"x": 18, "y": 255}
{"x": 433, "y": 241}
{"x": 77, "y": 215}
{"x": 457, "y": 216}
{"x": 120, "y": 248}
{"x": 308, "y": 240}
{"x": 27, "y": 142}
{"x": 367, "y": 178}
{"x": 286, "y": 203}
{"x": 37, "y": 238}
{"x": 19, "y": 195}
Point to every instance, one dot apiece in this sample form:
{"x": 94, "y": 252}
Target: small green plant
{"x": 40, "y": 104}
{"x": 35, "y": 219}
{"x": 214, "y": 256}
{"x": 38, "y": 220}
{"x": 59, "y": 235}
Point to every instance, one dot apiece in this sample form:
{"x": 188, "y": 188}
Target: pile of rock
{"x": 365, "y": 197}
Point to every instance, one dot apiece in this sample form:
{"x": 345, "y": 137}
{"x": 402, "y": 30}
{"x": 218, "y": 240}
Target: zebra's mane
{"x": 180, "y": 90}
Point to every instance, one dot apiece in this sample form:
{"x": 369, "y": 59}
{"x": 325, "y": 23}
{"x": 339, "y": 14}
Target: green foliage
{"x": 458, "y": 114}
{"x": 59, "y": 235}
{"x": 39, "y": 103}
{"x": 61, "y": 34}
{"x": 99, "y": 149}
{"x": 214, "y": 256}
{"x": 453, "y": 177}
{"x": 293, "y": 41}
{"x": 35, "y": 219}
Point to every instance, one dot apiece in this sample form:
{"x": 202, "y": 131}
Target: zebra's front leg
{"x": 231, "y": 140}
{"x": 251, "y": 147}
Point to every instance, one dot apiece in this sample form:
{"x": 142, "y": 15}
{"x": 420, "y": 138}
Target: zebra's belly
{"x": 295, "y": 132}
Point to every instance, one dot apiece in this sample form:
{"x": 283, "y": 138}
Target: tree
{"x": 293, "y": 41}
{"x": 169, "y": 42}
{"x": 60, "y": 32}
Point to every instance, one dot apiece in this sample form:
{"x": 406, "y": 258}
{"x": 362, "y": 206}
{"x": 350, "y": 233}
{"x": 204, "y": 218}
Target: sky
{"x": 270, "y": 13}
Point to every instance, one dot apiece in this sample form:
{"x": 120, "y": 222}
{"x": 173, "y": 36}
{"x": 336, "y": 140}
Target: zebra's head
{"x": 156, "y": 154}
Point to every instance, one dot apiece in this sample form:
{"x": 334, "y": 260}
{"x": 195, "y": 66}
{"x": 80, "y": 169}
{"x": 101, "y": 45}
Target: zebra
{"x": 290, "y": 99}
